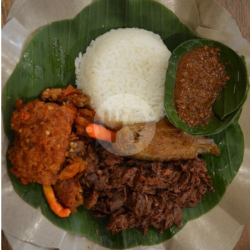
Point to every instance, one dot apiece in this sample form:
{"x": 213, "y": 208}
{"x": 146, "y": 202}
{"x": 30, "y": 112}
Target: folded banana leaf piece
{"x": 229, "y": 101}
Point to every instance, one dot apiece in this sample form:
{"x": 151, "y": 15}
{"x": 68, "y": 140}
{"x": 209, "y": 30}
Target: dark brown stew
{"x": 200, "y": 77}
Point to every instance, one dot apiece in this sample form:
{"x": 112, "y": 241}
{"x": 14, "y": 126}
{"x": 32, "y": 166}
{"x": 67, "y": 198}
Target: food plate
{"x": 61, "y": 239}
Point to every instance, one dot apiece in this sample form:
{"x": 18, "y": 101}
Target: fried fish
{"x": 161, "y": 141}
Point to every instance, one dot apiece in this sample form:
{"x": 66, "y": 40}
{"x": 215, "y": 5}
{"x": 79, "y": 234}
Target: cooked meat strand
{"x": 135, "y": 193}
{"x": 168, "y": 142}
{"x": 41, "y": 142}
{"x": 90, "y": 201}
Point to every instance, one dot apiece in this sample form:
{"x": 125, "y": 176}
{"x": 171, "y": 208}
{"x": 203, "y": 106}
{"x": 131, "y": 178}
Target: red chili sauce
{"x": 200, "y": 77}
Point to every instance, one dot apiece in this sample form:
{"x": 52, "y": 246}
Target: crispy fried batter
{"x": 41, "y": 142}
{"x": 70, "y": 95}
{"x": 76, "y": 165}
{"x": 84, "y": 117}
{"x": 69, "y": 193}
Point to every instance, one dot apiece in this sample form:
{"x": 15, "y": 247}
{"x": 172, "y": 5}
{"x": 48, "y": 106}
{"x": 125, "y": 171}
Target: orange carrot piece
{"x": 54, "y": 205}
{"x": 100, "y": 133}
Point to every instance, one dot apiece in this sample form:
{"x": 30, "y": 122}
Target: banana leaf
{"x": 48, "y": 61}
{"x": 222, "y": 169}
{"x": 231, "y": 98}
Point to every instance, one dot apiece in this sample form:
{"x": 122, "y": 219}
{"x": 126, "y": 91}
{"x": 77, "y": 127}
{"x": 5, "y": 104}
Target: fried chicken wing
{"x": 161, "y": 142}
{"x": 42, "y": 139}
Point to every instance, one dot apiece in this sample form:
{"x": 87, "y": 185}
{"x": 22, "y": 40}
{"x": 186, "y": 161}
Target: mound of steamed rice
{"x": 123, "y": 71}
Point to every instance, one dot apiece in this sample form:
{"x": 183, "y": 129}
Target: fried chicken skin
{"x": 42, "y": 138}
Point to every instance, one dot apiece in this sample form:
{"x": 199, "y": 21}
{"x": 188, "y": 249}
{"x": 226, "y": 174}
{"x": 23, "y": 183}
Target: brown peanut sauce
{"x": 200, "y": 77}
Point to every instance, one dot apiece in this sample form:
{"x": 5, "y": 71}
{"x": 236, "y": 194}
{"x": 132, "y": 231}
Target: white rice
{"x": 123, "y": 72}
